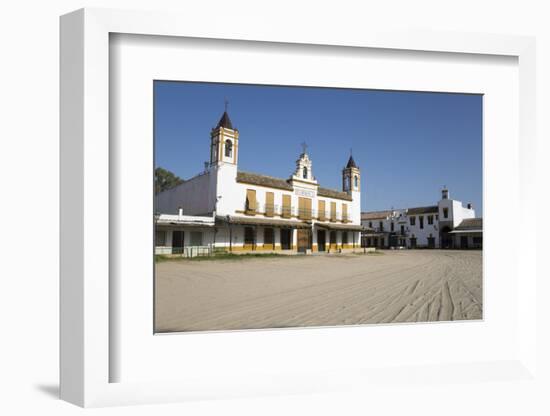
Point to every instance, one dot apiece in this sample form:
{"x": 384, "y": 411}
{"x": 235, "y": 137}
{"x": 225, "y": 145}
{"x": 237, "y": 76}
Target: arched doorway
{"x": 446, "y": 238}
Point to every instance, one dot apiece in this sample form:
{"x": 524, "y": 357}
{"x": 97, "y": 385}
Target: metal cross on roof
{"x": 304, "y": 147}
{"x": 226, "y": 103}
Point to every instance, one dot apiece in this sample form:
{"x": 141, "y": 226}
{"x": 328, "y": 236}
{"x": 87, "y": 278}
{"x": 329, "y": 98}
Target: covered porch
{"x": 331, "y": 237}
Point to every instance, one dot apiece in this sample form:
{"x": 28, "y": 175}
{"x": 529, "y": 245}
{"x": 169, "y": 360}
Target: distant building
{"x": 223, "y": 208}
{"x": 468, "y": 234}
{"x": 448, "y": 224}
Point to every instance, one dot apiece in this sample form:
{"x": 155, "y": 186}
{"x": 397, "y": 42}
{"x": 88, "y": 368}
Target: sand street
{"x": 396, "y": 286}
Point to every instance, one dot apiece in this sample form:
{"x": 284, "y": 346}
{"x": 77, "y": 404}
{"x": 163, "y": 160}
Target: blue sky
{"x": 407, "y": 144}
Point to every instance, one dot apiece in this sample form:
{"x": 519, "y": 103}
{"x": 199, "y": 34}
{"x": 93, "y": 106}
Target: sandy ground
{"x": 397, "y": 286}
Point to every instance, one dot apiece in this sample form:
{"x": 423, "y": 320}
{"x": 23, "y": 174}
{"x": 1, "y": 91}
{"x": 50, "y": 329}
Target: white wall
{"x": 461, "y": 212}
{"x": 422, "y": 234}
{"x": 226, "y": 191}
{"x": 457, "y": 212}
{"x": 208, "y": 236}
{"x": 355, "y": 208}
{"x": 195, "y": 196}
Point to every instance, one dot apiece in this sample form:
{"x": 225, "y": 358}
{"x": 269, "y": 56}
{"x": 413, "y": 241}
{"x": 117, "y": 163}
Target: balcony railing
{"x": 271, "y": 210}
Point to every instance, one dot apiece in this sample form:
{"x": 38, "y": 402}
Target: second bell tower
{"x": 224, "y": 142}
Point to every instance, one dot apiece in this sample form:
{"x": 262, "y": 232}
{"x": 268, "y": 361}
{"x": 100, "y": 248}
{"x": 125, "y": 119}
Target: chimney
{"x": 180, "y": 212}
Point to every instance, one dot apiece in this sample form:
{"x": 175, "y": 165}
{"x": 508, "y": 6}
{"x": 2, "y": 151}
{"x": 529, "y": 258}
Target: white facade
{"x": 417, "y": 227}
{"x": 295, "y": 209}
{"x": 200, "y": 233}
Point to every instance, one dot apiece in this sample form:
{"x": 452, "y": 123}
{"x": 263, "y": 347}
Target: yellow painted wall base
{"x": 332, "y": 248}
{"x": 254, "y": 249}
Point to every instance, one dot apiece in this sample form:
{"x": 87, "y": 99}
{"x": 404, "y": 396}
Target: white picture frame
{"x": 87, "y": 356}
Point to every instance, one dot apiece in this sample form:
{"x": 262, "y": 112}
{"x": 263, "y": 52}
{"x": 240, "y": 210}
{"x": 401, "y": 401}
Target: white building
{"x": 448, "y": 224}
{"x": 226, "y": 209}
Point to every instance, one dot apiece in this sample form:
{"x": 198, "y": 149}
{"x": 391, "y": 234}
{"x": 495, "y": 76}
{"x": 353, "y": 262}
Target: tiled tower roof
{"x": 225, "y": 122}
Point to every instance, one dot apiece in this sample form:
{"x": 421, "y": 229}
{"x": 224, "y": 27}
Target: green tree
{"x": 164, "y": 179}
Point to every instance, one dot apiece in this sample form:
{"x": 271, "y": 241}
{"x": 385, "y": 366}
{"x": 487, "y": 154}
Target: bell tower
{"x": 304, "y": 165}
{"x": 224, "y": 142}
{"x": 351, "y": 184}
{"x": 224, "y": 156}
{"x": 351, "y": 177}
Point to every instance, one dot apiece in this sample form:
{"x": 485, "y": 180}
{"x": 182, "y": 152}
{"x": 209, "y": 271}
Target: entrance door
{"x": 333, "y": 240}
{"x": 478, "y": 242}
{"x": 446, "y": 239}
{"x": 321, "y": 240}
{"x": 431, "y": 242}
{"x": 269, "y": 239}
{"x": 463, "y": 242}
{"x": 304, "y": 240}
{"x": 249, "y": 238}
{"x": 177, "y": 242}
{"x": 286, "y": 238}
{"x": 413, "y": 242}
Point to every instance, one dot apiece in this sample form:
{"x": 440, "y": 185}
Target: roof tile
{"x": 470, "y": 223}
{"x": 433, "y": 209}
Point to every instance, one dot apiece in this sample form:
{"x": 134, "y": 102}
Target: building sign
{"x": 308, "y": 193}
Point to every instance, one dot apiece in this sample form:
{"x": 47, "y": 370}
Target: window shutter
{"x": 308, "y": 208}
{"x": 321, "y": 210}
{"x": 304, "y": 208}
{"x": 344, "y": 212}
{"x": 286, "y": 206}
{"x": 269, "y": 198}
{"x": 251, "y": 199}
